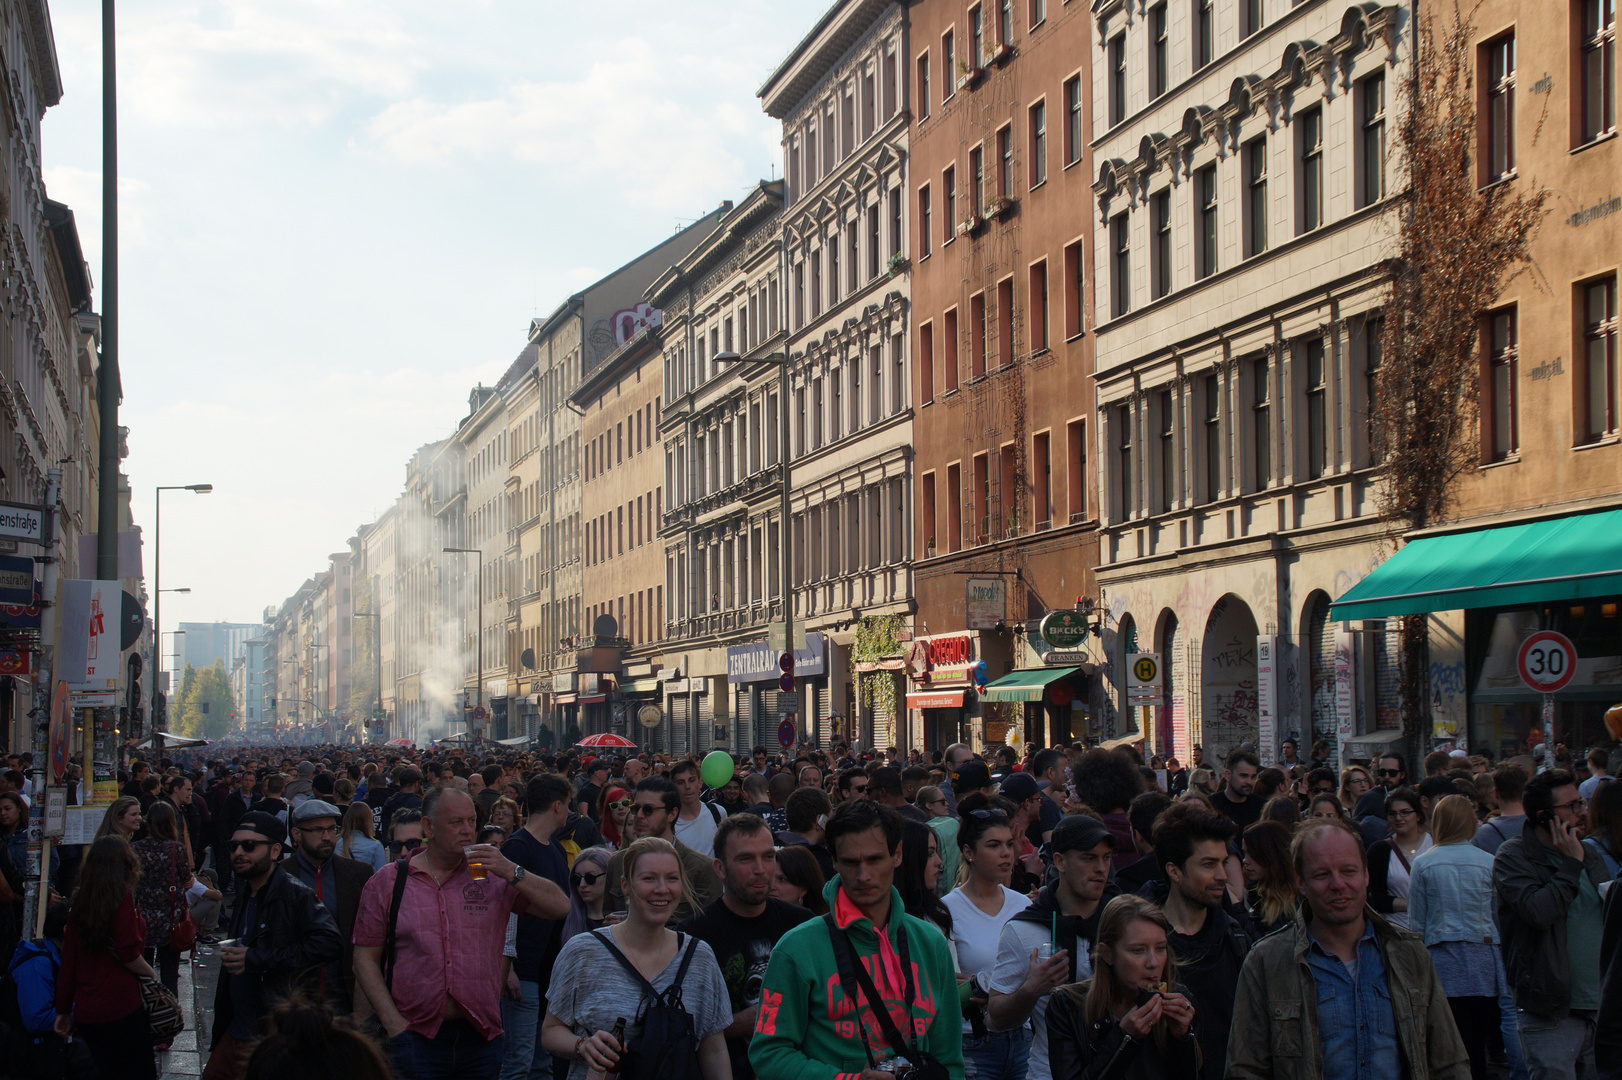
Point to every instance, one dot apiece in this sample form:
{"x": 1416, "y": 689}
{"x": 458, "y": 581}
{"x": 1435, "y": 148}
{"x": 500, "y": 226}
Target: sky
{"x": 337, "y": 217}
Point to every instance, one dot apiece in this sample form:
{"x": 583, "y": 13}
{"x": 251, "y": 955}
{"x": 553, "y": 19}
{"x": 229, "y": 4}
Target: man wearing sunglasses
{"x": 1549, "y": 914}
{"x": 284, "y": 938}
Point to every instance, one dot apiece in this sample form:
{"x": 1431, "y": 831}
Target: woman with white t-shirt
{"x": 980, "y": 907}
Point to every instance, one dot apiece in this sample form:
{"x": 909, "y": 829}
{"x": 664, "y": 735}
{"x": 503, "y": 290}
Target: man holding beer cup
{"x": 436, "y": 988}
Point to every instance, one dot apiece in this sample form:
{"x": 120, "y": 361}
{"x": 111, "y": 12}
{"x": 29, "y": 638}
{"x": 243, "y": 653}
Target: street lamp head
{"x": 461, "y": 551}
{"x": 727, "y": 357}
{"x": 201, "y": 489}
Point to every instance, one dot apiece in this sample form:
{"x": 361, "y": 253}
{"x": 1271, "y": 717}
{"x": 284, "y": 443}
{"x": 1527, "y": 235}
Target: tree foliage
{"x": 1459, "y": 245}
{"x": 210, "y": 685}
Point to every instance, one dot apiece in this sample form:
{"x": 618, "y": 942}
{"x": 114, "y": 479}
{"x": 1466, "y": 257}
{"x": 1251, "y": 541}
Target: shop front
{"x": 942, "y": 701}
{"x": 1041, "y": 700}
{"x": 1540, "y": 604}
{"x": 754, "y": 673}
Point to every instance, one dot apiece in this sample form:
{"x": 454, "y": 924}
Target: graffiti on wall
{"x": 607, "y": 335}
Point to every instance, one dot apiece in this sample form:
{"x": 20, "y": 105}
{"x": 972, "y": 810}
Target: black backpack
{"x": 38, "y": 1057}
{"x": 668, "y": 1048}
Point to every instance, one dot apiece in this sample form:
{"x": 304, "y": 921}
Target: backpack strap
{"x": 715, "y": 812}
{"x": 851, "y": 970}
{"x": 402, "y": 870}
{"x": 625, "y": 961}
{"x": 687, "y": 957}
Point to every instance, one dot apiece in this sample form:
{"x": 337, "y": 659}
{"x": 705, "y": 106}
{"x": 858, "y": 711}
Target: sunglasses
{"x": 405, "y": 845}
{"x": 585, "y": 877}
{"x": 989, "y": 815}
{"x": 1390, "y": 772}
{"x": 1401, "y": 813}
{"x": 250, "y": 846}
{"x": 646, "y": 810}
{"x": 622, "y": 804}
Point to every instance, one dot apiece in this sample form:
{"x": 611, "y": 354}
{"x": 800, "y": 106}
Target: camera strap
{"x": 857, "y": 983}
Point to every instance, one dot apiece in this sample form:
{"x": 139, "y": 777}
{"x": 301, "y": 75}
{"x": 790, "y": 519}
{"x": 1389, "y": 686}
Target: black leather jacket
{"x": 292, "y": 938}
{"x": 1078, "y": 1050}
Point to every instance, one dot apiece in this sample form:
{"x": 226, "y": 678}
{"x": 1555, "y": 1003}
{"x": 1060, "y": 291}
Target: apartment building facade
{"x": 1244, "y": 187}
{"x": 1001, "y": 286}
{"x": 624, "y": 558}
{"x": 841, "y": 96}
{"x": 1545, "y": 497}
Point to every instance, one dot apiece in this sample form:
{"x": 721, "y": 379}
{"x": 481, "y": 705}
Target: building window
{"x": 816, "y": 283}
{"x": 853, "y": 255}
{"x": 1117, "y": 79}
{"x": 1039, "y": 307}
{"x": 1073, "y": 264}
{"x": 1598, "y": 35}
{"x": 982, "y": 497}
{"x": 873, "y": 254}
{"x": 926, "y": 363}
{"x": 927, "y": 510}
{"x": 1256, "y": 197}
{"x": 1120, "y": 243}
{"x": 1039, "y": 143}
{"x": 924, "y": 222}
{"x": 1160, "y": 251}
{"x": 1076, "y": 469}
{"x": 833, "y": 269}
{"x": 1213, "y": 437}
{"x": 1005, "y": 163}
{"x": 1039, "y": 12}
{"x": 1159, "y": 76}
{"x": 1042, "y": 480}
{"x": 1310, "y": 193}
{"x": 1170, "y": 475}
{"x": 1373, "y": 329}
{"x": 1005, "y": 22}
{"x": 949, "y": 190}
{"x": 977, "y": 180}
{"x": 1599, "y": 359}
{"x": 1123, "y": 454}
{"x": 1502, "y": 354}
{"x": 923, "y": 87}
{"x": 1500, "y": 83}
{"x": 977, "y": 332}
{"x": 949, "y": 64}
{"x": 1250, "y": 17}
{"x": 954, "y": 507}
{"x": 1205, "y": 194}
{"x": 1317, "y": 409}
{"x": 1072, "y": 127}
{"x": 1005, "y": 322}
{"x": 977, "y": 37}
{"x": 949, "y": 340}
{"x": 1204, "y": 33}
{"x": 1371, "y": 144}
{"x": 896, "y": 196}
{"x": 1261, "y": 420}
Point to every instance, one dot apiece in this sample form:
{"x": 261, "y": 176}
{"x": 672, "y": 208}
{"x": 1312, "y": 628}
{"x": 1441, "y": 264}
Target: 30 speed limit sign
{"x": 1547, "y": 661}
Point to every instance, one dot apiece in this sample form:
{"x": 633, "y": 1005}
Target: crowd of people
{"x": 1073, "y": 914}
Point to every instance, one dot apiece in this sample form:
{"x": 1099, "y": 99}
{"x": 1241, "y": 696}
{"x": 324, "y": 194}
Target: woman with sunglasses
{"x": 588, "y": 889}
{"x": 1391, "y": 860}
{"x": 932, "y": 801}
{"x": 405, "y": 834}
{"x": 1354, "y": 784}
{"x": 980, "y": 906}
{"x": 613, "y": 811}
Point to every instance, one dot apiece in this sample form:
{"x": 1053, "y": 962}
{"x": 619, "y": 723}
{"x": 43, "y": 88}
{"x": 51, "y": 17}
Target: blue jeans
{"x": 1557, "y": 1049}
{"x": 523, "y": 1058}
{"x": 1509, "y": 1025}
{"x": 1000, "y": 1055}
{"x": 458, "y": 1052}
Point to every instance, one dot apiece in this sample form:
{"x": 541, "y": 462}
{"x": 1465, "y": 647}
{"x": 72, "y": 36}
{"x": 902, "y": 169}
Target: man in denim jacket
{"x": 1342, "y": 994}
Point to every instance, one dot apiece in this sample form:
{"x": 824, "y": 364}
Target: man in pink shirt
{"x": 437, "y": 991}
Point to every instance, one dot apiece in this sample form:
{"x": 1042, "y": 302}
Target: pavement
{"x": 199, "y": 975}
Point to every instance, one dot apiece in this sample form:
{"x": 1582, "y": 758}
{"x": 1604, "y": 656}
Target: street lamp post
{"x": 157, "y": 576}
{"x": 479, "y": 663}
{"x": 377, "y": 655}
{"x": 317, "y": 680}
{"x": 785, "y": 549}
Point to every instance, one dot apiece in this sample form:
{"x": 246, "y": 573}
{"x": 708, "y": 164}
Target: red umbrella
{"x": 400, "y": 742}
{"x": 606, "y": 740}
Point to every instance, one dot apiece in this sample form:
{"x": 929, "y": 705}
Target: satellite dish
{"x": 527, "y": 658}
{"x": 605, "y": 626}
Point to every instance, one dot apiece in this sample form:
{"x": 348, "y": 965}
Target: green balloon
{"x": 717, "y": 768}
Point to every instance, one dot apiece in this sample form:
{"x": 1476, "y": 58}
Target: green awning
{"x": 639, "y": 686}
{"x": 1555, "y": 560}
{"x": 1024, "y": 685}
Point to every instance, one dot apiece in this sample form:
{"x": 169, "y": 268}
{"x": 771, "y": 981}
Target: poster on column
{"x": 90, "y": 650}
{"x": 1345, "y": 686}
{"x": 1267, "y": 697}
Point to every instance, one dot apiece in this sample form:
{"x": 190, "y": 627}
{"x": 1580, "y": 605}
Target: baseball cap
{"x": 1079, "y": 832}
{"x": 310, "y": 809}
{"x": 971, "y": 776}
{"x": 306, "y": 768}
{"x": 1019, "y": 787}
{"x": 266, "y": 825}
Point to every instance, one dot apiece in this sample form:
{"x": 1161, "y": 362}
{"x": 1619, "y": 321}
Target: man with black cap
{"x": 281, "y": 933}
{"x": 1065, "y": 917}
{"x": 585, "y": 801}
{"x": 336, "y": 881}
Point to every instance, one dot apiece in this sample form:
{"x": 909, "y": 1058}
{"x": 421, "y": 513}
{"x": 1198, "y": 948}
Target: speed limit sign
{"x": 1547, "y": 661}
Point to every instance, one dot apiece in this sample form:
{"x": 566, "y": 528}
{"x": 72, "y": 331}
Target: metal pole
{"x": 157, "y": 598}
{"x": 479, "y": 684}
{"x": 786, "y": 554}
{"x": 108, "y": 389}
{"x": 36, "y": 889}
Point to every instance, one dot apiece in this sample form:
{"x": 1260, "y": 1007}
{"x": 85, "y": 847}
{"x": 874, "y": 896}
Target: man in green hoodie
{"x": 807, "y": 1027}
